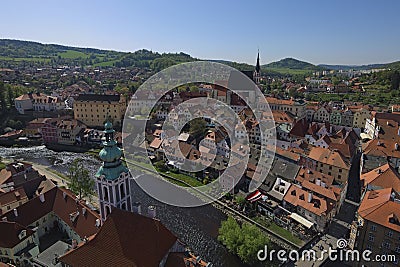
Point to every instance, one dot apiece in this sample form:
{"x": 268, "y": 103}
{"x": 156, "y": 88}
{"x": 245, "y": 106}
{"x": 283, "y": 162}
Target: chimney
{"x": 309, "y": 197}
{"x": 151, "y": 211}
{"x": 398, "y": 131}
{"x": 137, "y": 208}
{"x": 16, "y": 212}
{"x": 318, "y": 182}
{"x": 396, "y": 146}
{"x": 41, "y": 197}
{"x": 74, "y": 243}
{"x": 98, "y": 223}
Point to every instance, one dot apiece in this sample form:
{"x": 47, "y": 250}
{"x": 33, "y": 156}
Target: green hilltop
{"x": 16, "y": 52}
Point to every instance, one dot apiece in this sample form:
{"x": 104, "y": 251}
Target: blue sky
{"x": 332, "y": 32}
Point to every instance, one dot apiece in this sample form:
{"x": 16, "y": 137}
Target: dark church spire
{"x": 258, "y": 62}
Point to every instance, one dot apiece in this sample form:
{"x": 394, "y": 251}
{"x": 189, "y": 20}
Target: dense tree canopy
{"x": 245, "y": 240}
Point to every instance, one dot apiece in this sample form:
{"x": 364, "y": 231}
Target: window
{"x": 373, "y": 228}
{"x": 371, "y": 237}
{"x": 122, "y": 190}
{"x": 390, "y": 234}
{"x": 386, "y": 244}
{"x": 105, "y": 193}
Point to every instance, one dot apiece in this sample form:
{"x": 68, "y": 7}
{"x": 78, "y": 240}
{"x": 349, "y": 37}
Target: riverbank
{"x": 196, "y": 227}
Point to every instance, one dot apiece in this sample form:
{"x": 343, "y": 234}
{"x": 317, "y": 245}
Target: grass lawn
{"x": 185, "y": 178}
{"x": 41, "y": 59}
{"x": 71, "y": 54}
{"x": 279, "y": 230}
{"x": 63, "y": 176}
{"x": 284, "y": 233}
{"x": 2, "y": 165}
{"x": 140, "y": 163}
{"x": 290, "y": 71}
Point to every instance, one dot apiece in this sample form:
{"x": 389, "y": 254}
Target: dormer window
{"x": 22, "y": 234}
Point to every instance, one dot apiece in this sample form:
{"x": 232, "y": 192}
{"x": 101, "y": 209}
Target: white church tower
{"x": 112, "y": 178}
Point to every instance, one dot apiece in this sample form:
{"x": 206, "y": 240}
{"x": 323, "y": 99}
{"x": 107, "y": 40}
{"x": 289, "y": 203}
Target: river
{"x": 196, "y": 227}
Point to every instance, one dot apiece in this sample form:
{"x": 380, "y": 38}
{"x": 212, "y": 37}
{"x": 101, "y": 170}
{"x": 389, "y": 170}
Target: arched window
{"x": 105, "y": 193}
{"x": 122, "y": 190}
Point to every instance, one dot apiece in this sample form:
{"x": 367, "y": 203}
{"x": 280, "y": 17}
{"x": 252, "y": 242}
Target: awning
{"x": 365, "y": 136}
{"x": 301, "y": 220}
{"x": 254, "y": 196}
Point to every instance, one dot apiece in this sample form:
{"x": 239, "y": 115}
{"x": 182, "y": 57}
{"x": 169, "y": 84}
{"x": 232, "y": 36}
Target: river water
{"x": 196, "y": 227}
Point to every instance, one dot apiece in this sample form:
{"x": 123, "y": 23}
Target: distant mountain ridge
{"x": 13, "y": 52}
{"x": 353, "y": 67}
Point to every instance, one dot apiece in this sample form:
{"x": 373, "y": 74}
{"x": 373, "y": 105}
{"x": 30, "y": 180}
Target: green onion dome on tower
{"x": 111, "y": 156}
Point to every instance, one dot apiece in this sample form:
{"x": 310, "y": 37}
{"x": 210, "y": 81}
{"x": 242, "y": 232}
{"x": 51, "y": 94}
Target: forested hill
{"x": 292, "y": 63}
{"x": 14, "y": 52}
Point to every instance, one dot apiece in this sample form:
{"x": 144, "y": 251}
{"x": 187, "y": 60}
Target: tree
{"x": 3, "y": 103}
{"x": 245, "y": 241}
{"x": 240, "y": 200}
{"x": 160, "y": 165}
{"x": 198, "y": 126}
{"x": 395, "y": 80}
{"x": 80, "y": 182}
{"x": 10, "y": 95}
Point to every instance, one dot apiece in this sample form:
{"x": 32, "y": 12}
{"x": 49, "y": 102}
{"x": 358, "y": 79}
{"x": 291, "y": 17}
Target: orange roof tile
{"x": 384, "y": 177}
{"x": 382, "y": 148}
{"x": 299, "y": 197}
{"x": 379, "y": 207}
{"x": 125, "y": 239}
{"x": 325, "y": 155}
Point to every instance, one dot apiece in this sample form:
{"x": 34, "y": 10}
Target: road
{"x": 354, "y": 185}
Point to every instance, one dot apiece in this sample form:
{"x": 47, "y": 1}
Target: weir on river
{"x": 196, "y": 227}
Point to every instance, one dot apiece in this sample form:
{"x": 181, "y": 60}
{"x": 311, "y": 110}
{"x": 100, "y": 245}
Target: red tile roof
{"x": 125, "y": 239}
{"x": 9, "y": 232}
{"x": 382, "y": 148}
{"x": 63, "y": 203}
{"x": 312, "y": 175}
{"x": 379, "y": 207}
{"x": 12, "y": 196}
{"x": 326, "y": 156}
{"x": 297, "y": 196}
{"x": 384, "y": 177}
